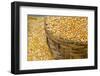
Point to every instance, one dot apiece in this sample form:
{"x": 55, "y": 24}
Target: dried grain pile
{"x": 37, "y": 45}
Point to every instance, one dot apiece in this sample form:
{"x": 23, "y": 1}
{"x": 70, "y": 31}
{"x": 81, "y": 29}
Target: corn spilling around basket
{"x": 57, "y": 37}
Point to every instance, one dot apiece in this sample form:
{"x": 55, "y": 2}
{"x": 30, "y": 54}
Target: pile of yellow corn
{"x": 66, "y": 28}
{"x": 37, "y": 45}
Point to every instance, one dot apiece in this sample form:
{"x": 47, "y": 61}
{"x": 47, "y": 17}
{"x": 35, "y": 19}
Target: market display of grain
{"x": 57, "y": 37}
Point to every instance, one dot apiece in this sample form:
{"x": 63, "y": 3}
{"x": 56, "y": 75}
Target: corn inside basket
{"x": 67, "y": 36}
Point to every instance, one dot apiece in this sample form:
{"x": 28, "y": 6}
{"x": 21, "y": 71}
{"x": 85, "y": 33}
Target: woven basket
{"x": 65, "y": 49}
